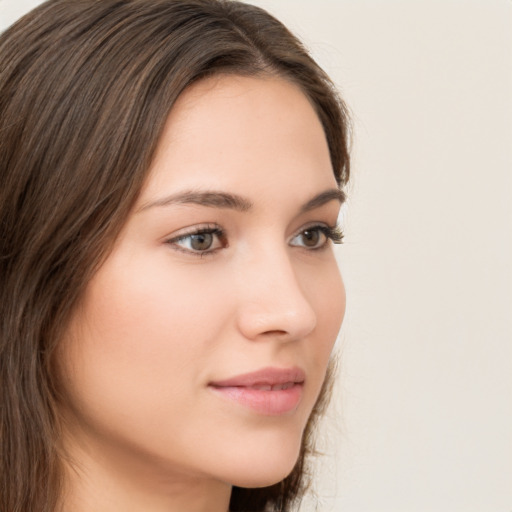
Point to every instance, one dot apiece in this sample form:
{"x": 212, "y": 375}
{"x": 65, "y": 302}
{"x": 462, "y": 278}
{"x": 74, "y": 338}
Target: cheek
{"x": 328, "y": 295}
{"x": 138, "y": 341}
{"x": 151, "y": 306}
{"x": 337, "y": 301}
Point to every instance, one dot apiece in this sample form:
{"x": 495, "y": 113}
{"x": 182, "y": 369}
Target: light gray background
{"x": 422, "y": 415}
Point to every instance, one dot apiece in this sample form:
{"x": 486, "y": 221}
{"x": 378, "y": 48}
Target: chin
{"x": 265, "y": 468}
{"x": 264, "y": 479}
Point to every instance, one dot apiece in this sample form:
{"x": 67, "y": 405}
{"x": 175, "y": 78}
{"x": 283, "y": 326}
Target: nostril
{"x": 275, "y": 333}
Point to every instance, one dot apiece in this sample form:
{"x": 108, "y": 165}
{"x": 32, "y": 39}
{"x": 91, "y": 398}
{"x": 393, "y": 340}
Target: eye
{"x": 317, "y": 237}
{"x": 200, "y": 241}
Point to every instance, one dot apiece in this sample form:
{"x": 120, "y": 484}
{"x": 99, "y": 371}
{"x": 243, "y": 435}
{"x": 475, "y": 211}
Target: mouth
{"x": 270, "y": 387}
{"x": 270, "y": 391}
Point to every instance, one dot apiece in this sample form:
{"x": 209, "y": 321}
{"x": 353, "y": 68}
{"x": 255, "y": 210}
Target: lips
{"x": 269, "y": 391}
{"x": 270, "y": 387}
{"x": 264, "y": 377}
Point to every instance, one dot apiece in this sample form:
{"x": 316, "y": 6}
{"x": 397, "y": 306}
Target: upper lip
{"x": 265, "y": 376}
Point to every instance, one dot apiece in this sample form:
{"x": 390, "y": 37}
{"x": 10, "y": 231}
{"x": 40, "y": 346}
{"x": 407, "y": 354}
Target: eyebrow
{"x": 333, "y": 194}
{"x": 215, "y": 199}
{"x": 212, "y": 199}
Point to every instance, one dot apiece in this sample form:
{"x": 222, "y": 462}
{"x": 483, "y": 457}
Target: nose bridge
{"x": 271, "y": 299}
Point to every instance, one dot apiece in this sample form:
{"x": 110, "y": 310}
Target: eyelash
{"x": 333, "y": 233}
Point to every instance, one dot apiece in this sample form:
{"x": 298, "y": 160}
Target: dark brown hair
{"x": 85, "y": 89}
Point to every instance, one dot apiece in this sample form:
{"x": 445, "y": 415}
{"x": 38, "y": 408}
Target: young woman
{"x": 171, "y": 173}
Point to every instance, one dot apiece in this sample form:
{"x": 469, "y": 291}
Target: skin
{"x": 160, "y": 320}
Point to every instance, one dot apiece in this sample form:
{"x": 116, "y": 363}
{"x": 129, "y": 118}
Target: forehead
{"x": 246, "y": 133}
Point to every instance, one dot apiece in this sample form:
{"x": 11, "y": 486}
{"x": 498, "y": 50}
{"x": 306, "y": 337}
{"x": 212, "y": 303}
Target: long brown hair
{"x": 85, "y": 89}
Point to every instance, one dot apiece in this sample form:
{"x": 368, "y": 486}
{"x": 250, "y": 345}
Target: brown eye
{"x": 201, "y": 241}
{"x": 311, "y": 238}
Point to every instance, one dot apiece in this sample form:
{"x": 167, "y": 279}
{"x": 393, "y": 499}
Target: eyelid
{"x": 213, "y": 229}
{"x": 333, "y": 233}
{"x": 194, "y": 228}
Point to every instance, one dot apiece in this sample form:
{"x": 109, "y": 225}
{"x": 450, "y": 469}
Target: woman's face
{"x": 202, "y": 342}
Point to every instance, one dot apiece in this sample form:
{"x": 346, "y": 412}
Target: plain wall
{"x": 422, "y": 415}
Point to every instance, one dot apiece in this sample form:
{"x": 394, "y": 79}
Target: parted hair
{"x": 85, "y": 89}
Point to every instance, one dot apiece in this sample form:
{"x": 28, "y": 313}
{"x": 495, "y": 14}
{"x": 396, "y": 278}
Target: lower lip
{"x": 270, "y": 403}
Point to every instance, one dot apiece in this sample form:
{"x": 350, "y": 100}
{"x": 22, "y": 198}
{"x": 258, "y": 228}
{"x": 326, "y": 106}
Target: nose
{"x": 272, "y": 302}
